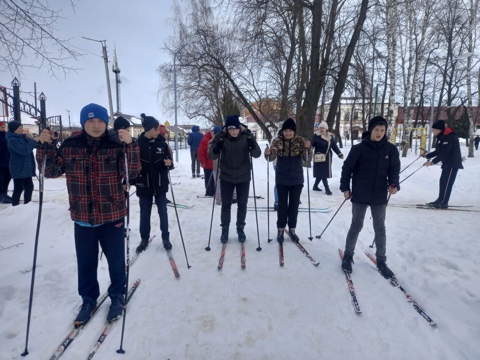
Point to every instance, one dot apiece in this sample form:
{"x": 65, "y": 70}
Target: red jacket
{"x": 205, "y": 161}
{"x": 94, "y": 170}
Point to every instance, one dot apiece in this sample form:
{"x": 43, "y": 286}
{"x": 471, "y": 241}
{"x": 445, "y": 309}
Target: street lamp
{"x": 460, "y": 57}
{"x": 175, "y": 53}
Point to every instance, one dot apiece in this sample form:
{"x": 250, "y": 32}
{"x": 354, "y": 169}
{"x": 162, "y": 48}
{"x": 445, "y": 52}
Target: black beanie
{"x": 121, "y": 123}
{"x": 377, "y": 120}
{"x": 149, "y": 122}
{"x": 289, "y": 124}
{"x": 14, "y": 125}
{"x": 439, "y": 125}
{"x": 232, "y": 122}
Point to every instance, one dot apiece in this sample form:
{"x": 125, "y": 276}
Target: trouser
{"x": 209, "y": 182}
{"x": 324, "y": 181}
{"x": 378, "y": 217}
{"x": 19, "y": 186}
{"x": 111, "y": 238}
{"x": 195, "y": 162}
{"x": 227, "y": 190}
{"x": 288, "y": 202}
{"x": 4, "y": 180}
{"x": 447, "y": 179}
{"x": 146, "y": 203}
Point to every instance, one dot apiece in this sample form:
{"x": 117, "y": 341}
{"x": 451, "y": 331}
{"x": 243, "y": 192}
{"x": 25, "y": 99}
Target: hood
{"x": 195, "y": 128}
{"x": 448, "y": 131}
{"x": 208, "y": 136}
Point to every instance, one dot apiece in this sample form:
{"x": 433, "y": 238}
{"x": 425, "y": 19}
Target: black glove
{"x": 251, "y": 143}
{"x": 218, "y": 147}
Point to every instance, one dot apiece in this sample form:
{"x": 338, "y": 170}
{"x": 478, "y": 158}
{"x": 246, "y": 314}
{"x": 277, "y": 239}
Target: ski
{"x": 110, "y": 324}
{"x": 351, "y": 288}
{"x": 394, "y": 282}
{"x": 135, "y": 256}
{"x": 304, "y": 251}
{"x": 256, "y": 197}
{"x": 76, "y": 330}
{"x": 180, "y": 206}
{"x": 280, "y": 249}
{"x": 242, "y": 259}
{"x": 447, "y": 209}
{"x": 250, "y": 208}
{"x": 299, "y": 209}
{"x": 173, "y": 264}
{"x": 222, "y": 256}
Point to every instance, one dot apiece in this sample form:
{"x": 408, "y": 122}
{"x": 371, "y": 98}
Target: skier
{"x": 373, "y": 165}
{"x": 94, "y": 164}
{"x": 323, "y": 142}
{"x": 152, "y": 182}
{"x": 5, "y": 176}
{"x": 22, "y": 161}
{"x": 193, "y": 140}
{"x": 234, "y": 146}
{"x": 290, "y": 150}
{"x": 447, "y": 150}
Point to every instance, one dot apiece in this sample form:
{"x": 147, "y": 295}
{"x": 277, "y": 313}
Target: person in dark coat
{"x": 234, "y": 146}
{"x": 323, "y": 143}
{"x": 206, "y": 163}
{"x": 152, "y": 182}
{"x": 194, "y": 139}
{"x": 5, "y": 176}
{"x": 290, "y": 150}
{"x": 94, "y": 165}
{"x": 22, "y": 161}
{"x": 477, "y": 141}
{"x": 373, "y": 166}
{"x": 447, "y": 150}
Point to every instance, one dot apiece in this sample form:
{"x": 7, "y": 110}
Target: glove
{"x": 251, "y": 143}
{"x": 218, "y": 147}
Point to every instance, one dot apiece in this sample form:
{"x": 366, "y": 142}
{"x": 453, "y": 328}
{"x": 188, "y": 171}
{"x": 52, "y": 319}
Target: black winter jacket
{"x": 153, "y": 178}
{"x": 235, "y": 155}
{"x": 373, "y": 166}
{"x": 447, "y": 150}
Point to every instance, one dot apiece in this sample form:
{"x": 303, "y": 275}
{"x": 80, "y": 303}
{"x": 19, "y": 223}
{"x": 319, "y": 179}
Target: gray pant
{"x": 378, "y": 217}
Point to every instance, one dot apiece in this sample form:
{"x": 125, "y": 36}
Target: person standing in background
{"x": 194, "y": 139}
{"x": 22, "y": 161}
{"x": 5, "y": 176}
{"x": 206, "y": 163}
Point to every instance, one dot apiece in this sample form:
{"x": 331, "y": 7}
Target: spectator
{"x": 194, "y": 139}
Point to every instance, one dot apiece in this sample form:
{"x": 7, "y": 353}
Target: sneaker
{"x": 116, "y": 308}
{"x": 440, "y": 206}
{"x": 347, "y": 263}
{"x": 384, "y": 270}
{"x": 293, "y": 236}
{"x": 224, "y": 236}
{"x": 280, "y": 235}
{"x": 143, "y": 245}
{"x": 316, "y": 188}
{"x": 167, "y": 244}
{"x": 241, "y": 234}
{"x": 328, "y": 192}
{"x": 85, "y": 311}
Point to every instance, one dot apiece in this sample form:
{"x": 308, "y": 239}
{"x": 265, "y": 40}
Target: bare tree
{"x": 27, "y": 30}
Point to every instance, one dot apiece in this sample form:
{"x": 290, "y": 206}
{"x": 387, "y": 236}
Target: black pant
{"x": 195, "y": 162}
{"x": 19, "y": 186}
{"x": 209, "y": 182}
{"x": 324, "y": 181}
{"x": 4, "y": 180}
{"x": 288, "y": 202}
{"x": 111, "y": 238}
{"x": 227, "y": 189}
{"x": 447, "y": 179}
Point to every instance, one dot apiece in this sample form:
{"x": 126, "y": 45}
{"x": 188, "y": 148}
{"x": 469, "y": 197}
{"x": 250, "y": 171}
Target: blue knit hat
{"x": 232, "y": 122}
{"x": 92, "y": 111}
{"x": 216, "y": 129}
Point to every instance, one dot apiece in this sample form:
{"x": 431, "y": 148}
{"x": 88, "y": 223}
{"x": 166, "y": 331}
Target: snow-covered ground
{"x": 265, "y": 311}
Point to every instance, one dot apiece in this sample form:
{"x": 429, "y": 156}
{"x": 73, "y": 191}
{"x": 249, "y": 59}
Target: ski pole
{"x": 213, "y": 202}
{"x": 411, "y": 174}
{"x": 268, "y": 200}
{"x": 308, "y": 192}
{"x": 259, "y": 248}
{"x": 41, "y": 181}
{"x": 406, "y": 167}
{"x": 178, "y": 220}
{"x": 127, "y": 243}
{"x": 320, "y": 236}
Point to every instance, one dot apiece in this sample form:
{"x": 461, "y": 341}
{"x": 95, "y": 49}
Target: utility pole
{"x": 118, "y": 81}
{"x": 105, "y": 58}
{"x": 69, "y": 123}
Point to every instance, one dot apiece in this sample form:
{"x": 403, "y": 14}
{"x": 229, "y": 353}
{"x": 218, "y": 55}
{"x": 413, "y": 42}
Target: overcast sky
{"x": 136, "y": 29}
